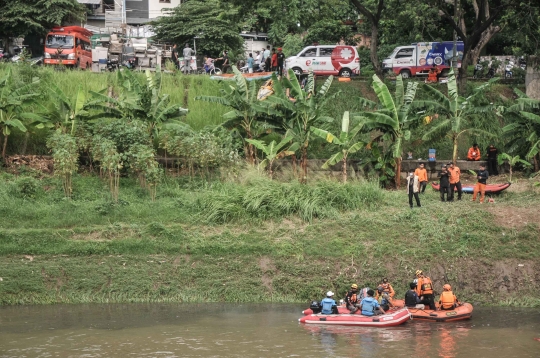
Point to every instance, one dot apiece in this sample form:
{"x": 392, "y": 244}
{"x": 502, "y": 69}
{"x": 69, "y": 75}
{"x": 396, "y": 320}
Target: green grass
{"x": 252, "y": 241}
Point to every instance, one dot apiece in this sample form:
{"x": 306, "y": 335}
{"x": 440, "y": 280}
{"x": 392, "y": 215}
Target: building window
{"x": 165, "y": 1}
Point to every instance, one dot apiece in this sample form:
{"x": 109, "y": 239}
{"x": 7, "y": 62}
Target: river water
{"x": 252, "y": 330}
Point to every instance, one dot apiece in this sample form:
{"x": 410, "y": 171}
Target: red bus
{"x": 69, "y": 45}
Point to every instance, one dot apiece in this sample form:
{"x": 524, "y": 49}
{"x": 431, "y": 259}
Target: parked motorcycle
{"x": 112, "y": 64}
{"x": 523, "y": 63}
{"x": 491, "y": 72}
{"x": 478, "y": 71}
{"x": 508, "y": 73}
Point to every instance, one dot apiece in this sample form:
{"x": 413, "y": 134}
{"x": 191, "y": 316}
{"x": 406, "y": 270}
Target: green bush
{"x": 25, "y": 188}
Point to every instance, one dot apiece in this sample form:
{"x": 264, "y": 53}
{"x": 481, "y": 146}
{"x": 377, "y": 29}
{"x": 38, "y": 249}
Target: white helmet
{"x": 329, "y": 294}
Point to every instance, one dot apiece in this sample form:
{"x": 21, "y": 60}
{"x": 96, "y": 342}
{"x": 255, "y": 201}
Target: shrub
{"x": 25, "y": 188}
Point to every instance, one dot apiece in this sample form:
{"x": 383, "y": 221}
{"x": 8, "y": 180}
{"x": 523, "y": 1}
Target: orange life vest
{"x": 387, "y": 288}
{"x": 425, "y": 285}
{"x": 447, "y": 299}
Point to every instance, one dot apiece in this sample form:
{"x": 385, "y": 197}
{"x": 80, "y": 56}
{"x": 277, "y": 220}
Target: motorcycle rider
{"x": 478, "y": 70}
{"x": 508, "y": 69}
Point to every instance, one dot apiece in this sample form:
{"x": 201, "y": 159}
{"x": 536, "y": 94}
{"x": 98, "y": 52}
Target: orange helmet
{"x": 418, "y": 272}
{"x": 354, "y": 286}
{"x": 447, "y": 287}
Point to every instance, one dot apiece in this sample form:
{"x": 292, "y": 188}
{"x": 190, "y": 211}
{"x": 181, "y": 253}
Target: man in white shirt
{"x": 187, "y": 52}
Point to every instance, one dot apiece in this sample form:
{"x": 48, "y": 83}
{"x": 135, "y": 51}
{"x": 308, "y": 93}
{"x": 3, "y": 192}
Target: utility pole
{"x": 454, "y": 55}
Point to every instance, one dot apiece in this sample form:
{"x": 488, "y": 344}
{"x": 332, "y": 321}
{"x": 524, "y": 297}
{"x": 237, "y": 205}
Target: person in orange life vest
{"x": 351, "y": 299}
{"x": 448, "y": 301}
{"x": 387, "y": 288}
{"x": 480, "y": 186}
{"x": 455, "y": 181}
{"x": 432, "y": 74}
{"x": 474, "y": 153}
{"x": 424, "y": 289}
{"x": 421, "y": 173}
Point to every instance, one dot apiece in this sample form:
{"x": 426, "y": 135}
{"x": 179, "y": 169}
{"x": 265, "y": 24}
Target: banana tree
{"x": 246, "y": 111}
{"x": 64, "y": 112}
{"x": 140, "y": 100}
{"x": 299, "y": 109}
{"x": 455, "y": 112}
{"x": 392, "y": 120}
{"x": 273, "y": 151}
{"x": 346, "y": 141}
{"x": 512, "y": 161}
{"x": 13, "y": 98}
{"x": 523, "y": 131}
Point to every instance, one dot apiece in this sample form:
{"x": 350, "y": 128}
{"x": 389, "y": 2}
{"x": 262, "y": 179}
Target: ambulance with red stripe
{"x": 419, "y": 57}
{"x": 326, "y": 60}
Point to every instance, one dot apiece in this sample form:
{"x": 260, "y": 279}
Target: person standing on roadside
{"x": 174, "y": 54}
{"x": 455, "y": 181}
{"x": 187, "y": 52}
{"x": 413, "y": 187}
{"x": 280, "y": 61}
{"x": 421, "y": 173}
{"x": 257, "y": 62}
{"x": 225, "y": 58}
{"x": 250, "y": 62}
{"x": 492, "y": 153}
{"x": 444, "y": 183}
{"x": 274, "y": 60}
{"x": 267, "y": 59}
{"x": 480, "y": 186}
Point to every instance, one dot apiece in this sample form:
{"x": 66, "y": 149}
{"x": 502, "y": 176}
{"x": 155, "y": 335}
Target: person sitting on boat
{"x": 448, "y": 301}
{"x": 351, "y": 299}
{"x": 387, "y": 287}
{"x": 370, "y": 306}
{"x": 383, "y": 298}
{"x": 424, "y": 289}
{"x": 329, "y": 305}
{"x": 411, "y": 298}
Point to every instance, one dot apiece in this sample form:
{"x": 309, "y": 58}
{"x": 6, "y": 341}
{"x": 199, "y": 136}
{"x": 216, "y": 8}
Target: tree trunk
{"x": 270, "y": 172}
{"x": 397, "y": 178}
{"x": 373, "y": 48}
{"x": 454, "y": 150}
{"x": 344, "y": 169}
{"x": 484, "y": 39}
{"x": 4, "y": 147}
{"x": 303, "y": 164}
{"x": 462, "y": 72}
{"x": 510, "y": 179}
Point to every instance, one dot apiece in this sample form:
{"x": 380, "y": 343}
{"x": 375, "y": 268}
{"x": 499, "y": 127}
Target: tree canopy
{"x": 212, "y": 23}
{"x": 21, "y": 17}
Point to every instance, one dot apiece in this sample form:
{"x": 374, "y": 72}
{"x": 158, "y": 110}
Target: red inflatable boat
{"x": 464, "y": 311}
{"x": 389, "y": 319}
{"x": 343, "y": 309}
{"x": 490, "y": 188}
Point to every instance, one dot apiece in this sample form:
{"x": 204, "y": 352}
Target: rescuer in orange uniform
{"x": 474, "y": 153}
{"x": 387, "y": 288}
{"x": 424, "y": 289}
{"x": 447, "y": 300}
{"x": 353, "y": 304}
{"x": 432, "y": 74}
{"x": 481, "y": 184}
{"x": 455, "y": 181}
{"x": 421, "y": 173}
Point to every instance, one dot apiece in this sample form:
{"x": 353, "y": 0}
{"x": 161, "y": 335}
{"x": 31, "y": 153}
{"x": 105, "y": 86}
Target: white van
{"x": 326, "y": 60}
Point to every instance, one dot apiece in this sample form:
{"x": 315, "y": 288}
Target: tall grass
{"x": 265, "y": 199}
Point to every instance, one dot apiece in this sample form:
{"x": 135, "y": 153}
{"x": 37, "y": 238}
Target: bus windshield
{"x": 59, "y": 41}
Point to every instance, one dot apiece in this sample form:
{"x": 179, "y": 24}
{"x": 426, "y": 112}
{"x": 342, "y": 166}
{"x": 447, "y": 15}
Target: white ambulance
{"x": 326, "y": 60}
